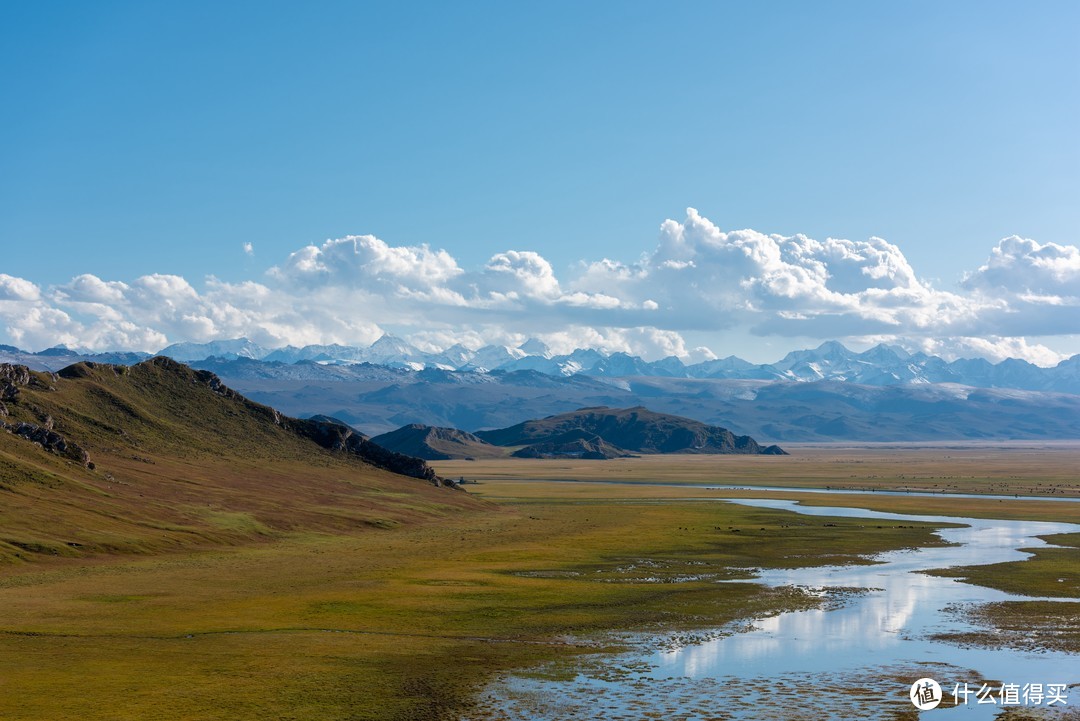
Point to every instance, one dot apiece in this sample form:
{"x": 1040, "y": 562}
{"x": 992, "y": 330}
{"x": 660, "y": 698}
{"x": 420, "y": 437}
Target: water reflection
{"x": 857, "y": 644}
{"x": 889, "y": 624}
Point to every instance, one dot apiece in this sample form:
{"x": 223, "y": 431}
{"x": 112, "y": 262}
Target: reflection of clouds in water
{"x": 804, "y": 640}
{"x": 855, "y": 661}
{"x": 889, "y": 624}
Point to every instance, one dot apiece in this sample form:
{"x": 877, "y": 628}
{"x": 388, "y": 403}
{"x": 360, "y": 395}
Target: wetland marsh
{"x": 418, "y": 620}
{"x": 847, "y": 657}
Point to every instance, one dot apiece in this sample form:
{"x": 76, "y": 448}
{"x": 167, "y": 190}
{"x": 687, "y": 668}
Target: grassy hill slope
{"x": 157, "y": 456}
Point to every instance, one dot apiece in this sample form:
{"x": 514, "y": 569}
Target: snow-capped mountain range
{"x": 882, "y": 365}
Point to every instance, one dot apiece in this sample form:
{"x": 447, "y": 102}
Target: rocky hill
{"x": 577, "y": 443}
{"x": 634, "y": 429}
{"x": 436, "y": 444}
{"x": 105, "y": 459}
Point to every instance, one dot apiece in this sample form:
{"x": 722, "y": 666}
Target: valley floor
{"x": 408, "y": 622}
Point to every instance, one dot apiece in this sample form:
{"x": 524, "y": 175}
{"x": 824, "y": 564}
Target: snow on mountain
{"x": 334, "y": 352}
{"x": 237, "y": 348}
{"x": 543, "y": 364}
{"x": 730, "y": 367}
{"x": 535, "y": 346}
{"x": 389, "y": 350}
{"x": 619, "y": 365}
{"x": 670, "y": 366}
{"x": 880, "y": 366}
{"x": 582, "y": 360}
{"x": 491, "y": 357}
{"x": 455, "y": 356}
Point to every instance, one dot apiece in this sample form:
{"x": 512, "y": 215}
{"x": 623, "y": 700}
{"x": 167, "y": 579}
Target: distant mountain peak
{"x": 881, "y": 365}
{"x": 234, "y": 348}
{"x": 535, "y": 346}
{"x": 60, "y": 349}
{"x": 389, "y": 339}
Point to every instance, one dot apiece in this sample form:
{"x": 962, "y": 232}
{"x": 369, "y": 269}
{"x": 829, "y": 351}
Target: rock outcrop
{"x": 435, "y": 444}
{"x": 573, "y": 444}
{"x": 13, "y": 378}
{"x": 50, "y": 440}
{"x": 342, "y": 438}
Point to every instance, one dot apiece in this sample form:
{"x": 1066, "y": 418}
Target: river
{"x": 856, "y": 658}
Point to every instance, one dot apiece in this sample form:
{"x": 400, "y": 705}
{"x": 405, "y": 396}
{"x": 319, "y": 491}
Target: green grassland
{"x": 389, "y": 623}
{"x": 213, "y": 565}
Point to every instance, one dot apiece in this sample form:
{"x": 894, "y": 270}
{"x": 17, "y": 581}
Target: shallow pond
{"x": 856, "y": 658}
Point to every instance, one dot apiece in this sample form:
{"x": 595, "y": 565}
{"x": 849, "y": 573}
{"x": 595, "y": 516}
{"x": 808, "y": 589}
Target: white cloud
{"x": 1020, "y": 265}
{"x": 433, "y": 341}
{"x": 698, "y": 280}
{"x": 249, "y": 248}
{"x": 364, "y": 261}
{"x": 707, "y": 279}
{"x": 89, "y": 288}
{"x": 521, "y": 272}
{"x": 993, "y": 348}
{"x": 649, "y": 343}
{"x": 700, "y": 354}
{"x": 12, "y": 288}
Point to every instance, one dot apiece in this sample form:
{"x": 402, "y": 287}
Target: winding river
{"x": 855, "y": 658}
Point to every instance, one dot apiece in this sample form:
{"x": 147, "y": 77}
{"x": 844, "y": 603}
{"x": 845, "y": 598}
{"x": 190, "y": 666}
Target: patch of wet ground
{"x": 776, "y": 669}
{"x": 631, "y": 691}
{"x": 1030, "y": 626}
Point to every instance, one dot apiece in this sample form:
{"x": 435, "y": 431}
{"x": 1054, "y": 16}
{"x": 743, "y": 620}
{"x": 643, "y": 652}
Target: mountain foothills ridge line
{"x": 825, "y": 394}
{"x": 882, "y": 365}
{"x": 587, "y": 433}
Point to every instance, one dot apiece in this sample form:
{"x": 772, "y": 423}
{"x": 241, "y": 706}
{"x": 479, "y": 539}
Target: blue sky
{"x": 150, "y": 139}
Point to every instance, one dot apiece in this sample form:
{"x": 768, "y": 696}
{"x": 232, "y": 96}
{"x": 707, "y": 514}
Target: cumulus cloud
{"x": 701, "y": 278}
{"x": 249, "y": 248}
{"x": 364, "y": 261}
{"x": 17, "y": 289}
{"x": 697, "y": 279}
{"x": 993, "y": 348}
{"x": 648, "y": 342}
{"x": 87, "y": 288}
{"x": 1023, "y": 266}
{"x": 525, "y": 273}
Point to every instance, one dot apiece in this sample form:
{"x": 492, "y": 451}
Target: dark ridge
{"x": 577, "y": 443}
{"x": 635, "y": 429}
{"x": 338, "y": 437}
{"x": 433, "y": 443}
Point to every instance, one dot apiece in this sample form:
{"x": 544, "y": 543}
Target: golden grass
{"x": 384, "y": 604}
{"x": 1006, "y": 468}
{"x": 384, "y": 624}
